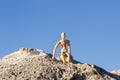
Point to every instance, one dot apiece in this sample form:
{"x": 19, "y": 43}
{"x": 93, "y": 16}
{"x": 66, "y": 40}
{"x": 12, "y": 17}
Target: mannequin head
{"x": 63, "y": 35}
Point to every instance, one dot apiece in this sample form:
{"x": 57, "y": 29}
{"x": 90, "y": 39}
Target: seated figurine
{"x": 65, "y": 51}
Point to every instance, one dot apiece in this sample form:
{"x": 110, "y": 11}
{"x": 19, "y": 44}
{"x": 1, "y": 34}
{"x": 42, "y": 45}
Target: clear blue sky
{"x": 92, "y": 26}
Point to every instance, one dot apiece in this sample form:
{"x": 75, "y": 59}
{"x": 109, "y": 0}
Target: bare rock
{"x": 22, "y": 52}
{"x": 38, "y": 65}
{"x": 117, "y": 72}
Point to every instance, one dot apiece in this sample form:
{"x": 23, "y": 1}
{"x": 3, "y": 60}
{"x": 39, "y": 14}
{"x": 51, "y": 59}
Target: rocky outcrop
{"x": 117, "y": 72}
{"x": 22, "y": 52}
{"x": 27, "y": 64}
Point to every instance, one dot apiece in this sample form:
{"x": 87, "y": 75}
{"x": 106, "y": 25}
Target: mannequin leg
{"x": 68, "y": 57}
{"x": 63, "y": 58}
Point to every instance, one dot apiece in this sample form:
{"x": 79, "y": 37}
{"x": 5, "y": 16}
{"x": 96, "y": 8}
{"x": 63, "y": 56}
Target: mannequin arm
{"x": 54, "y": 51}
{"x": 69, "y": 48}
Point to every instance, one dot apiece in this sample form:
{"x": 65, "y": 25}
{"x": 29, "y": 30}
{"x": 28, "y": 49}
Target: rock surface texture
{"x": 117, "y": 72}
{"x": 34, "y": 64}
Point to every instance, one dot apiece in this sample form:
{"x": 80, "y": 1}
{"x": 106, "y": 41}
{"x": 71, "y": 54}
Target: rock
{"x": 38, "y": 65}
{"x": 22, "y": 52}
{"x": 117, "y": 72}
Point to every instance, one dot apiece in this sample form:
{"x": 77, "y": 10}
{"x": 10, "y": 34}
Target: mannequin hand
{"x": 53, "y": 58}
